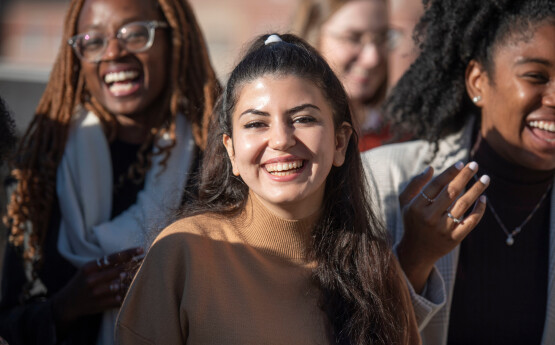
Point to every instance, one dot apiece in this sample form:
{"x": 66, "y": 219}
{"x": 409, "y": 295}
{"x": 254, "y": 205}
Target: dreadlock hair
{"x": 361, "y": 290}
{"x": 430, "y": 100}
{"x": 7, "y": 131}
{"x": 311, "y": 15}
{"x": 192, "y": 90}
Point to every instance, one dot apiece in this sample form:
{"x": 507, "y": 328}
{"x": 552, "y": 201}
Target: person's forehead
{"x": 362, "y": 15}
{"x": 97, "y": 13}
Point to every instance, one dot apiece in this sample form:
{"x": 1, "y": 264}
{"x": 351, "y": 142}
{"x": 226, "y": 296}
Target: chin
{"x": 542, "y": 162}
{"x": 127, "y": 109}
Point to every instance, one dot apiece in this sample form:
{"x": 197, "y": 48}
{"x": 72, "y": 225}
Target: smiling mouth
{"x": 122, "y": 83}
{"x": 284, "y": 168}
{"x": 543, "y": 129}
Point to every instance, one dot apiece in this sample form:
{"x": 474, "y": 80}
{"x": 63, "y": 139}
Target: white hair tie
{"x": 272, "y": 39}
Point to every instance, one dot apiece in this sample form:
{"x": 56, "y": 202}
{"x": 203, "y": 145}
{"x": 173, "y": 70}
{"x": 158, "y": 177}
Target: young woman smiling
{"x": 351, "y": 36}
{"x": 105, "y": 158}
{"x": 282, "y": 247}
{"x": 482, "y": 90}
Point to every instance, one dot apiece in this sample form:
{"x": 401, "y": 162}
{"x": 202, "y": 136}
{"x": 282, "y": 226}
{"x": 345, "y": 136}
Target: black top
{"x": 500, "y": 293}
{"x": 30, "y": 321}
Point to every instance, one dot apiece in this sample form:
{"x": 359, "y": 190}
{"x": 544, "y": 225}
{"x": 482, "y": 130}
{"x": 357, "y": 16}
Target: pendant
{"x": 510, "y": 240}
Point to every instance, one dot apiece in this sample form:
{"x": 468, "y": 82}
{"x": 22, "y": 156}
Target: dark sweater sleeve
{"x": 29, "y": 323}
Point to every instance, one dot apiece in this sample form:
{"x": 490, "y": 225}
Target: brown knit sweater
{"x": 214, "y": 280}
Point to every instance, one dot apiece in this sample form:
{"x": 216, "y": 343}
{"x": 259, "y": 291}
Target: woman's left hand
{"x": 434, "y": 217}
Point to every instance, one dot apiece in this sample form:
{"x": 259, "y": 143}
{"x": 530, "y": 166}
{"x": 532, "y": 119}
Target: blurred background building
{"x": 30, "y": 36}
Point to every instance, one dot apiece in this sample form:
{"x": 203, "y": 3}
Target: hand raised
{"x": 434, "y": 217}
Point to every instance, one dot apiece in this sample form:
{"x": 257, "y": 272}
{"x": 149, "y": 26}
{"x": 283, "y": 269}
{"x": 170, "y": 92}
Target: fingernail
{"x": 426, "y": 170}
{"x": 459, "y": 165}
{"x": 484, "y": 179}
{"x": 483, "y": 199}
{"x": 473, "y": 166}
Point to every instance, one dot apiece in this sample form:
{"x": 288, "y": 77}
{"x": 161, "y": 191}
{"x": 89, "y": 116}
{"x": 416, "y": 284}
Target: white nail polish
{"x": 484, "y": 179}
{"x": 483, "y": 199}
{"x": 473, "y": 166}
{"x": 459, "y": 165}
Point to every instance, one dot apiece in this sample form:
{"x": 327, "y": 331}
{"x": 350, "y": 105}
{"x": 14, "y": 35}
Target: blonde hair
{"x": 311, "y": 15}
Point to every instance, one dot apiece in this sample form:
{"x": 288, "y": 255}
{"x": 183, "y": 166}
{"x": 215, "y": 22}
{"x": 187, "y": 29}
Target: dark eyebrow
{"x": 523, "y": 61}
{"x": 300, "y": 108}
{"x": 288, "y": 112}
{"x": 100, "y": 26}
{"x": 255, "y": 112}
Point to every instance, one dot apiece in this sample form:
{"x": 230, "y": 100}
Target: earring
{"x": 476, "y": 99}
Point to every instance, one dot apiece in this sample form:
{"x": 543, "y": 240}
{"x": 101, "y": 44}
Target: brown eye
{"x": 537, "y": 78}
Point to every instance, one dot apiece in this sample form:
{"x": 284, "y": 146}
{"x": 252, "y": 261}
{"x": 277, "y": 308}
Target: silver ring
{"x": 98, "y": 263}
{"x": 105, "y": 260}
{"x": 455, "y": 219}
{"x": 428, "y": 199}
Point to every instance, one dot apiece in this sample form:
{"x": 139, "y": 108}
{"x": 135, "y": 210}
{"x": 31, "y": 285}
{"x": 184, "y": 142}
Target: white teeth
{"x": 545, "y": 125}
{"x": 114, "y": 77}
{"x": 121, "y": 87}
{"x": 277, "y": 168}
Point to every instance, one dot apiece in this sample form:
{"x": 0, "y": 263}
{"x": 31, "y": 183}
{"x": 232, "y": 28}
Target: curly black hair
{"x": 7, "y": 131}
{"x": 430, "y": 100}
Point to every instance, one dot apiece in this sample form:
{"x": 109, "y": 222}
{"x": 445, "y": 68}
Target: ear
{"x": 476, "y": 79}
{"x": 342, "y": 137}
{"x": 228, "y": 143}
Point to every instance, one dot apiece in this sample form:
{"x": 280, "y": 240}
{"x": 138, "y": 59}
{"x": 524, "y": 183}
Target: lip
{"x": 121, "y": 92}
{"x": 283, "y": 159}
{"x": 287, "y": 159}
{"x": 543, "y": 139}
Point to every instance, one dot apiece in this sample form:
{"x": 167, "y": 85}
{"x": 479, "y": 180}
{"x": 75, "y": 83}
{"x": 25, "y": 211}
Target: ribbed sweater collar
{"x": 285, "y": 238}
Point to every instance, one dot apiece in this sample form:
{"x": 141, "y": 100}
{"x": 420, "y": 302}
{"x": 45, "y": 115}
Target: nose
{"x": 113, "y": 49}
{"x": 281, "y": 137}
{"x": 370, "y": 55}
{"x": 549, "y": 96}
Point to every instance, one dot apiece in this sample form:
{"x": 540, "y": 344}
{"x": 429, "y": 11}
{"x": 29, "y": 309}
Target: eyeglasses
{"x": 134, "y": 37}
{"x": 394, "y": 38}
{"x": 357, "y": 40}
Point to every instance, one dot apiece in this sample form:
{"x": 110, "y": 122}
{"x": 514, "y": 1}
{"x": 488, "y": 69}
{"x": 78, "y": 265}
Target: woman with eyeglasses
{"x": 105, "y": 159}
{"x": 351, "y": 35}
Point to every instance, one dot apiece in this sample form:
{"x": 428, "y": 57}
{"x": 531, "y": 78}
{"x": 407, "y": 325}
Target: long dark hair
{"x": 361, "y": 292}
{"x": 430, "y": 100}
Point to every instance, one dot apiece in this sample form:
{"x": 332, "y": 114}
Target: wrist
{"x": 416, "y": 268}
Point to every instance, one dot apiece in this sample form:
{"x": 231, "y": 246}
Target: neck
{"x": 359, "y": 112}
{"x": 294, "y": 211}
{"x": 498, "y": 167}
{"x": 131, "y": 130}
